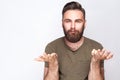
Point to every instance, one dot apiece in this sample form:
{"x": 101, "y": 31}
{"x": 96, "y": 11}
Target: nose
{"x": 73, "y": 25}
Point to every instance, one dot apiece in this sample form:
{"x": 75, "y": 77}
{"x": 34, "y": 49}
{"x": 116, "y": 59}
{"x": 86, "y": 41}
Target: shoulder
{"x": 92, "y": 42}
{"x": 55, "y": 43}
{"x": 88, "y": 40}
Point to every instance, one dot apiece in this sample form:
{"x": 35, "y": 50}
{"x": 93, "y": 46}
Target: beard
{"x": 73, "y": 35}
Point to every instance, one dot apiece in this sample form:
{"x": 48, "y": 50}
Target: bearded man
{"x": 74, "y": 56}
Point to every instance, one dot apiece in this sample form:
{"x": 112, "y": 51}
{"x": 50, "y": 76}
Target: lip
{"x": 73, "y": 31}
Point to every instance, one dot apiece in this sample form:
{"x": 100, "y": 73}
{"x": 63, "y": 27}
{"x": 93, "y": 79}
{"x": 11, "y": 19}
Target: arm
{"x": 50, "y": 72}
{"x": 96, "y": 71}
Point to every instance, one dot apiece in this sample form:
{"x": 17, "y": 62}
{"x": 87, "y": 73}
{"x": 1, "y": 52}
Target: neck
{"x": 74, "y": 46}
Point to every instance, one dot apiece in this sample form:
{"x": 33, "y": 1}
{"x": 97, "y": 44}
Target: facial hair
{"x": 73, "y": 35}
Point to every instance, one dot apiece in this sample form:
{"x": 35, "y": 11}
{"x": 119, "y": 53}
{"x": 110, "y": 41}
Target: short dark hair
{"x": 73, "y": 6}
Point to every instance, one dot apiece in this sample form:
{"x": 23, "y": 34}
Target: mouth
{"x": 72, "y": 32}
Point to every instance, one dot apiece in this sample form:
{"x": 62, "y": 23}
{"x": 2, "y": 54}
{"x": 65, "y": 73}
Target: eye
{"x": 79, "y": 21}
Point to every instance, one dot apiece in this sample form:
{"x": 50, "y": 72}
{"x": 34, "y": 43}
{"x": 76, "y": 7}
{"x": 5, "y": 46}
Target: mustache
{"x": 72, "y": 30}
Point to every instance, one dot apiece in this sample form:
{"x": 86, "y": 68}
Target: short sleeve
{"x": 48, "y": 50}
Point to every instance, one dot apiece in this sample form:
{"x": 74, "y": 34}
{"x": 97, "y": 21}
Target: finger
{"x": 44, "y": 54}
{"x": 93, "y": 52}
{"x": 96, "y": 54}
{"x": 42, "y": 57}
{"x": 51, "y": 58}
{"x": 36, "y": 59}
{"x": 105, "y": 54}
{"x": 102, "y": 51}
{"x": 109, "y": 56}
{"x": 98, "y": 50}
{"x": 45, "y": 57}
{"x": 48, "y": 57}
{"x": 54, "y": 55}
{"x": 39, "y": 59}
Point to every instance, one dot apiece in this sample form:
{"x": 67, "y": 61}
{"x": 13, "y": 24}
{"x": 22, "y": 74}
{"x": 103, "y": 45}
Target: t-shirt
{"x": 73, "y": 65}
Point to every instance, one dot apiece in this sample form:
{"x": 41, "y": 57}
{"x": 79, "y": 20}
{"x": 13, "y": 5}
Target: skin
{"x": 74, "y": 19}
{"x": 50, "y": 73}
{"x": 96, "y": 72}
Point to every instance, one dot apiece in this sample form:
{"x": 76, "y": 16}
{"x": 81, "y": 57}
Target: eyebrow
{"x": 79, "y": 20}
{"x": 70, "y": 19}
{"x": 67, "y": 19}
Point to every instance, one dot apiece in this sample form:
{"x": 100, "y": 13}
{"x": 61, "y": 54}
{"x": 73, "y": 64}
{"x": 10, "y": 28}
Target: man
{"x": 74, "y": 57}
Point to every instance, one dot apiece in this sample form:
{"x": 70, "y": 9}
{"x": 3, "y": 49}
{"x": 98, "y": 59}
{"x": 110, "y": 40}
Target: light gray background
{"x": 26, "y": 26}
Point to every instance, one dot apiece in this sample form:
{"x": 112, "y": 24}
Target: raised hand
{"x": 52, "y": 58}
{"x": 103, "y": 54}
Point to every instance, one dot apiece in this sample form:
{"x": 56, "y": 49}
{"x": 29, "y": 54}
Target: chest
{"x": 74, "y": 65}
{"x": 74, "y": 62}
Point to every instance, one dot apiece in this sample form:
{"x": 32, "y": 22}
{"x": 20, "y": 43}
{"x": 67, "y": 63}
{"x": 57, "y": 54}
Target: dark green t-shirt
{"x": 73, "y": 65}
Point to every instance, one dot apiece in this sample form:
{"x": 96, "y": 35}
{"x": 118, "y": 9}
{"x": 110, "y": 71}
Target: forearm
{"x": 95, "y": 71}
{"x": 52, "y": 73}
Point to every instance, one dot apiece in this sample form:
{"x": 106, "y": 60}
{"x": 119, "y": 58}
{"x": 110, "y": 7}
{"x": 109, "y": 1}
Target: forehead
{"x": 72, "y": 14}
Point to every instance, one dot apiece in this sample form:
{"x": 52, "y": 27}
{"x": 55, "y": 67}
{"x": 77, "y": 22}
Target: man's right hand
{"x": 52, "y": 59}
{"x": 51, "y": 72}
